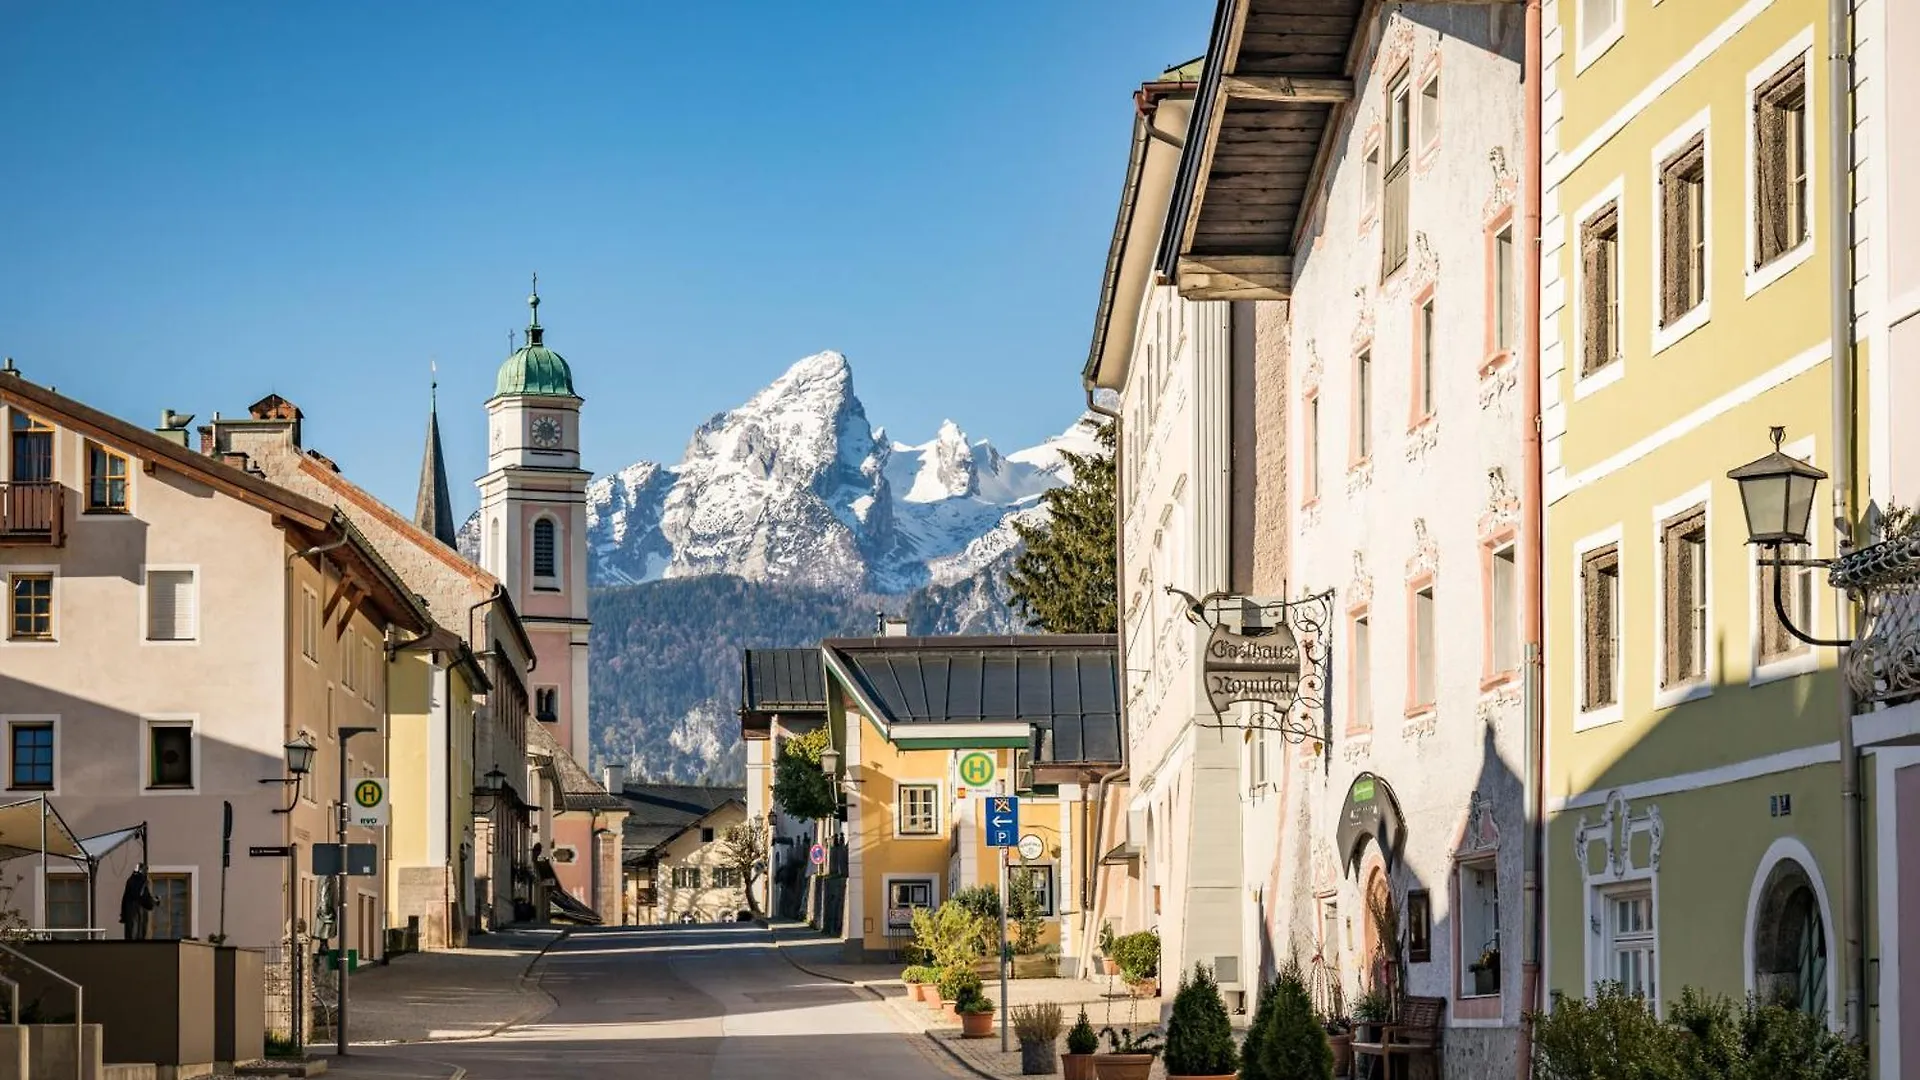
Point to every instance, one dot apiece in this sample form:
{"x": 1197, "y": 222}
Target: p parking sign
{"x": 367, "y": 803}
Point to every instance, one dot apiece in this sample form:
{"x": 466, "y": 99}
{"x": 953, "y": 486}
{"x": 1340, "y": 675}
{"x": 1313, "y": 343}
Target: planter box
{"x": 1486, "y": 981}
{"x": 1342, "y": 1046}
{"x": 1036, "y": 1059}
{"x": 1035, "y": 967}
{"x": 154, "y": 1000}
{"x": 239, "y": 1005}
{"x": 1122, "y": 1066}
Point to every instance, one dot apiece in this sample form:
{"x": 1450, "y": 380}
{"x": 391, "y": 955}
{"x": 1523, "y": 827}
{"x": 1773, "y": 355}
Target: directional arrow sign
{"x": 1003, "y": 821}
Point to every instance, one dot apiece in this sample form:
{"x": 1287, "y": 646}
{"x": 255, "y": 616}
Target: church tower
{"x": 533, "y": 514}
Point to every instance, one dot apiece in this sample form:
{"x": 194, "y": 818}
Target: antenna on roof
{"x": 879, "y": 623}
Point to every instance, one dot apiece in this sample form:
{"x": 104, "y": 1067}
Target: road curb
{"x": 525, "y": 975}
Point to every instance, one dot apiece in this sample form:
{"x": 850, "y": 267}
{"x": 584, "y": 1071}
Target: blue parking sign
{"x": 1003, "y": 821}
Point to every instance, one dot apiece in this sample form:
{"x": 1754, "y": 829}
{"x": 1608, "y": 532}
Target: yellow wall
{"x": 883, "y": 766}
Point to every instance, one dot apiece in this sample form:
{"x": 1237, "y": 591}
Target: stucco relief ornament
{"x": 1326, "y": 871}
{"x": 1360, "y": 592}
{"x": 1419, "y": 727}
{"x": 1398, "y": 46}
{"x": 1426, "y": 262}
{"x": 1359, "y": 477}
{"x": 1426, "y": 554}
{"x": 1500, "y": 703}
{"x": 1363, "y": 325}
{"x": 1497, "y": 387}
{"x": 1481, "y": 832}
{"x": 1356, "y": 747}
{"x": 1504, "y": 185}
{"x": 1616, "y": 829}
{"x": 1422, "y": 439}
{"x": 1311, "y": 373}
{"x": 1503, "y": 504}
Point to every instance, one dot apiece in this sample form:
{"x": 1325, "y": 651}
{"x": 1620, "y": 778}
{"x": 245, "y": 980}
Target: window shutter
{"x": 170, "y": 605}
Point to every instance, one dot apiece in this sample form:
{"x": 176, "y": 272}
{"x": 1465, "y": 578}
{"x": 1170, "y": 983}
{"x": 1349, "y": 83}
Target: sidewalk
{"x": 1105, "y": 1000}
{"x": 376, "y": 1066}
{"x": 454, "y": 994}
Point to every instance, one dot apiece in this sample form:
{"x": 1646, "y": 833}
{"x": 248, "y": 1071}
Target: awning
{"x": 99, "y": 847}
{"x": 30, "y": 826}
{"x": 1370, "y": 812}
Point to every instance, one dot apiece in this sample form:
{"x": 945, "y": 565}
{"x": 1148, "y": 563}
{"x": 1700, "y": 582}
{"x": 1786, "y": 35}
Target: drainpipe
{"x": 1533, "y": 514}
{"x": 1840, "y": 280}
{"x": 1087, "y": 931}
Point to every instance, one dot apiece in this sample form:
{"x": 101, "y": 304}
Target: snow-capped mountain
{"x": 797, "y": 486}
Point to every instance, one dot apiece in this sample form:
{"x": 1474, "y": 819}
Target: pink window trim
{"x": 1421, "y": 708}
{"x": 1497, "y": 357}
{"x": 1370, "y": 211}
{"x": 1310, "y": 452}
{"x": 1469, "y": 1007}
{"x": 1489, "y": 678}
{"x": 1355, "y": 725}
{"x": 1355, "y": 458}
{"x": 1416, "y": 416}
{"x": 1428, "y": 146}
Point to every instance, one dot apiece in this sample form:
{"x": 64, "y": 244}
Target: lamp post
{"x": 299, "y": 754}
{"x": 340, "y": 895}
{"x": 1776, "y": 493}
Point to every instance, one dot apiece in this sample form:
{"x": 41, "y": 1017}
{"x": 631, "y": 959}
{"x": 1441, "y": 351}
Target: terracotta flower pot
{"x": 1342, "y": 1054}
{"x": 947, "y": 1010}
{"x": 1145, "y": 988}
{"x": 1111, "y": 965}
{"x": 976, "y": 1025}
{"x": 1077, "y": 1066}
{"x": 1122, "y": 1066}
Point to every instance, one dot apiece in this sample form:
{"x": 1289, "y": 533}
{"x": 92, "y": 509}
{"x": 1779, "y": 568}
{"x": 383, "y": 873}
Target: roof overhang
{"x": 1277, "y": 85}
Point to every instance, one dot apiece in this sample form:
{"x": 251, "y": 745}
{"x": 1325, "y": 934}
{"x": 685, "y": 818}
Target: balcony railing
{"x": 1393, "y": 218}
{"x": 33, "y": 512}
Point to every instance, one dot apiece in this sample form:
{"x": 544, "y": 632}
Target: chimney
{"x": 893, "y": 626}
{"x": 614, "y": 777}
{"x": 173, "y": 426}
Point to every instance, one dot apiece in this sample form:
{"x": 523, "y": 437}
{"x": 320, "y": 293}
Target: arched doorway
{"x": 1790, "y": 941}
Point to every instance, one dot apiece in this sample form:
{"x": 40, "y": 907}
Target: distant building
{"x": 783, "y": 692}
{"x": 675, "y": 862}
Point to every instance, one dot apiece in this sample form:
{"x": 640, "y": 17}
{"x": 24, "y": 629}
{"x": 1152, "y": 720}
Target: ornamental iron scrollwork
{"x": 1269, "y": 652}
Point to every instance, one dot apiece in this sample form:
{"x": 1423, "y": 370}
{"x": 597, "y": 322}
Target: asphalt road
{"x": 690, "y": 1003}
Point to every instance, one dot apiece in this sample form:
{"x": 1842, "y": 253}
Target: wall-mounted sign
{"x": 976, "y": 769}
{"x": 1243, "y": 668}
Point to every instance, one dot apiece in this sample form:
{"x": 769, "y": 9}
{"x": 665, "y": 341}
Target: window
{"x": 1256, "y": 757}
{"x": 309, "y": 625}
{"x": 1796, "y": 595}
{"x": 170, "y": 605}
{"x": 1600, "y": 290}
{"x": 544, "y": 556}
{"x": 726, "y": 877}
{"x": 1362, "y": 672}
{"x": 67, "y": 901}
{"x": 32, "y": 449}
{"x": 169, "y": 754}
{"x": 1780, "y": 139}
{"x": 1629, "y": 946}
{"x": 1598, "y": 20}
{"x": 686, "y": 877}
{"x": 1423, "y": 649}
{"x": 1419, "y": 926}
{"x": 1683, "y": 232}
{"x": 1503, "y": 592}
{"x": 910, "y": 893}
{"x": 1423, "y": 362}
{"x": 31, "y": 762}
{"x": 1600, "y": 603}
{"x": 370, "y": 667}
{"x": 1363, "y": 406}
{"x": 1683, "y": 554}
{"x": 918, "y": 816}
{"x": 1393, "y": 251}
{"x": 172, "y": 917}
{"x": 349, "y": 666}
{"x": 106, "y": 481}
{"x": 1506, "y": 314}
{"x": 706, "y": 836}
{"x": 1479, "y": 928}
{"x": 1430, "y": 113}
{"x": 1042, "y": 879}
{"x": 1313, "y": 447}
{"x": 31, "y": 600}
{"x": 1371, "y": 192}
{"x": 546, "y": 704}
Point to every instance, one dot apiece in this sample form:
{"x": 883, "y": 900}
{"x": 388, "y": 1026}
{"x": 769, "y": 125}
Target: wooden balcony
{"x": 33, "y": 513}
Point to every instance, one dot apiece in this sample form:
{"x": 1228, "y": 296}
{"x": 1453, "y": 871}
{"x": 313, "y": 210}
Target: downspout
{"x": 1840, "y": 274}
{"x": 1533, "y": 515}
{"x": 1087, "y": 932}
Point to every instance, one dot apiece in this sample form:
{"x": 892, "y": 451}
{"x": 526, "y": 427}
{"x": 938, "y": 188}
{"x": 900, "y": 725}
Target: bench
{"x": 1414, "y": 1036}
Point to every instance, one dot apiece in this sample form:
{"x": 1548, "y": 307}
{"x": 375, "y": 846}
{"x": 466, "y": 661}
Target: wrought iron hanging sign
{"x": 1275, "y": 658}
{"x": 1242, "y": 668}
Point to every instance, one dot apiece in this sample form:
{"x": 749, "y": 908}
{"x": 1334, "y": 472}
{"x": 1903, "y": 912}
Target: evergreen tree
{"x": 1199, "y": 1035}
{"x": 1063, "y": 582}
{"x": 1292, "y": 1045}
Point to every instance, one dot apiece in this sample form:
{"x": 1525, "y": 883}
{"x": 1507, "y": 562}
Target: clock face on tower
{"x": 546, "y": 432}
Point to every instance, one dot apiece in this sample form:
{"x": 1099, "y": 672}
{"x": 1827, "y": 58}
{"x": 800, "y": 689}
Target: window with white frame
{"x": 1370, "y": 193}
{"x": 686, "y": 877}
{"x": 1430, "y": 112}
{"x": 172, "y": 917}
{"x": 726, "y": 877}
{"x": 1598, "y": 19}
{"x": 1780, "y": 140}
{"x": 370, "y": 664}
{"x": 67, "y": 901}
{"x": 171, "y": 603}
{"x": 1363, "y": 405}
{"x": 1042, "y": 879}
{"x": 1479, "y": 928}
{"x": 170, "y": 754}
{"x": 1629, "y": 945}
{"x": 1796, "y": 595}
{"x": 1683, "y": 232}
{"x": 30, "y": 755}
{"x": 349, "y": 665}
{"x": 1600, "y": 630}
{"x": 1683, "y": 555}
{"x": 918, "y": 809}
{"x": 1313, "y": 447}
{"x": 1600, "y": 290}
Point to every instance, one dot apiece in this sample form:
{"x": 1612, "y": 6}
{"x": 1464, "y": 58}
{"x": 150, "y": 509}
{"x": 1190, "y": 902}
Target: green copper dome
{"x": 533, "y": 368}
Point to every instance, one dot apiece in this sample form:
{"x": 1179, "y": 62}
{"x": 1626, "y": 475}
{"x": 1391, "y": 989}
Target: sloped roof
{"x": 578, "y": 789}
{"x": 656, "y": 813}
{"x": 1067, "y": 684}
{"x": 790, "y": 680}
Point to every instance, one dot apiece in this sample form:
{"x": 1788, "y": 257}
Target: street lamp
{"x": 492, "y": 785}
{"x": 830, "y": 762}
{"x": 299, "y": 753}
{"x": 1776, "y": 492}
{"x": 340, "y": 893}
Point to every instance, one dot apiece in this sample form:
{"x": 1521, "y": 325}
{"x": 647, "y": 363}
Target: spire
{"x": 533, "y": 324}
{"x": 433, "y": 509}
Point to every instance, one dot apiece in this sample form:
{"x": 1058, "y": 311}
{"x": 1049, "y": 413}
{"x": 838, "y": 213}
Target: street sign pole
{"x": 1003, "y": 950}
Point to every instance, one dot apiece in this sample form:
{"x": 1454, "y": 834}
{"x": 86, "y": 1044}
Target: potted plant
{"x": 1370, "y": 1011}
{"x": 1286, "y": 1041}
{"x": 916, "y": 980}
{"x": 956, "y": 984}
{"x": 1339, "y": 1031}
{"x": 1082, "y": 1043}
{"x": 1129, "y": 1054}
{"x": 1107, "y": 961}
{"x": 976, "y": 1014}
{"x": 1486, "y": 971}
{"x": 1038, "y": 1028}
{"x": 1199, "y": 1035}
{"x": 1139, "y": 956}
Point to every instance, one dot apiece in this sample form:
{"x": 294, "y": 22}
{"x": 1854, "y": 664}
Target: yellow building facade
{"x": 1691, "y": 775}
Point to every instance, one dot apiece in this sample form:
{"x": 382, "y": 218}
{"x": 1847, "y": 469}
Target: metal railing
{"x": 32, "y": 511}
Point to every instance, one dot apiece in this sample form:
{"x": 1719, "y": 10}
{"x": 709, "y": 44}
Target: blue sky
{"x": 211, "y": 201}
